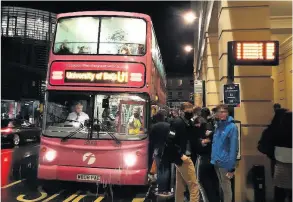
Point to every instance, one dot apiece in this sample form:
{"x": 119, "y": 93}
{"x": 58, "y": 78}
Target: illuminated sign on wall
{"x": 262, "y": 53}
{"x": 104, "y": 74}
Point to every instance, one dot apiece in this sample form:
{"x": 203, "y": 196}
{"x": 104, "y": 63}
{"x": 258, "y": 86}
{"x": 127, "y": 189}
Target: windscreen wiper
{"x": 73, "y": 133}
{"x": 113, "y": 137}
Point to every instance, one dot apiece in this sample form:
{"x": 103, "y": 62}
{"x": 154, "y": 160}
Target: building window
{"x": 180, "y": 95}
{"x": 179, "y": 82}
{"x": 170, "y": 95}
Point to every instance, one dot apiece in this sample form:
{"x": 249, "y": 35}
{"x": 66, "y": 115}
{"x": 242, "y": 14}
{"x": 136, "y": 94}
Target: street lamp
{"x": 189, "y": 17}
{"x": 188, "y": 48}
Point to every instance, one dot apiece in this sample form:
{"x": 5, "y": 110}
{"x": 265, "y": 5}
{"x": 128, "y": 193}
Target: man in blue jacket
{"x": 224, "y": 150}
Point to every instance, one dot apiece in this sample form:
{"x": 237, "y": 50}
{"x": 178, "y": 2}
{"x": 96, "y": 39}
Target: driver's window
{"x": 67, "y": 109}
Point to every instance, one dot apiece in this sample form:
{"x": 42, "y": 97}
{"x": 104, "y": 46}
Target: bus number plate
{"x": 83, "y": 177}
{"x": 90, "y": 142}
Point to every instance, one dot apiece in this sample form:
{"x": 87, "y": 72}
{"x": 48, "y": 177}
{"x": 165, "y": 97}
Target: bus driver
{"x": 78, "y": 114}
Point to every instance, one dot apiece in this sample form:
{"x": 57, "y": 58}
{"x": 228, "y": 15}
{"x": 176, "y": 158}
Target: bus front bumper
{"x": 106, "y": 176}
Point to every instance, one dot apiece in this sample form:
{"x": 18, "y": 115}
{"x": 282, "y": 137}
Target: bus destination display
{"x": 262, "y": 53}
{"x": 117, "y": 77}
{"x": 97, "y": 74}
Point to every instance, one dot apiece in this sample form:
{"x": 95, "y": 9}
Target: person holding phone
{"x": 224, "y": 150}
{"x": 205, "y": 171}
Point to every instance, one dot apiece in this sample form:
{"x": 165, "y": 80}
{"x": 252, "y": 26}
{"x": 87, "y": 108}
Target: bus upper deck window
{"x": 80, "y": 34}
{"x": 122, "y": 36}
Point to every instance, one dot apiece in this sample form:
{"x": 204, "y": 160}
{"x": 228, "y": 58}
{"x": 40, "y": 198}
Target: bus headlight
{"x": 50, "y": 155}
{"x": 130, "y": 160}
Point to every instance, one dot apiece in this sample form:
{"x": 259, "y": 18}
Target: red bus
{"x": 105, "y": 71}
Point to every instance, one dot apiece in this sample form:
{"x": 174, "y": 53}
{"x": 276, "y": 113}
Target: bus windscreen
{"x": 121, "y": 114}
{"x": 100, "y": 36}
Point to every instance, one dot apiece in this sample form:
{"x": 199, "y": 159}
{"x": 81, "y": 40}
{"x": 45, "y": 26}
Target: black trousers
{"x": 281, "y": 194}
{"x": 207, "y": 178}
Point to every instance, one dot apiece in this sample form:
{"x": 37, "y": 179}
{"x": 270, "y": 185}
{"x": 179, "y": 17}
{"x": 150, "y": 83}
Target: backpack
{"x": 265, "y": 144}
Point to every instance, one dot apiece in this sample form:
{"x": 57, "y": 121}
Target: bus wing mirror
{"x": 105, "y": 103}
{"x": 97, "y": 127}
{"x": 87, "y": 123}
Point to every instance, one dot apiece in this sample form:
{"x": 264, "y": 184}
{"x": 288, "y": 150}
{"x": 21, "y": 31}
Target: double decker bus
{"x": 105, "y": 71}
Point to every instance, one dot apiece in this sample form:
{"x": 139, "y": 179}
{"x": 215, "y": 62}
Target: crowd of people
{"x": 203, "y": 145}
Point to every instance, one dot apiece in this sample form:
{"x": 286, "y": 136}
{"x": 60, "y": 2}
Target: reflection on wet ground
{"x": 19, "y": 182}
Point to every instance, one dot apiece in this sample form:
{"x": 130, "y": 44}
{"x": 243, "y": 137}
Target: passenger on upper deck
{"x": 135, "y": 123}
{"x": 125, "y": 51}
{"x": 63, "y": 49}
{"x": 78, "y": 114}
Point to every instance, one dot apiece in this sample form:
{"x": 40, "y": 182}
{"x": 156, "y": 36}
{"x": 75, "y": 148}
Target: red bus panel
{"x": 97, "y": 74}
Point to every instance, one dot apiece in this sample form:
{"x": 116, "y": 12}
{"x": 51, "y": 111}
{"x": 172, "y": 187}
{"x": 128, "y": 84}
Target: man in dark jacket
{"x": 158, "y": 136}
{"x": 180, "y": 151}
{"x": 205, "y": 171}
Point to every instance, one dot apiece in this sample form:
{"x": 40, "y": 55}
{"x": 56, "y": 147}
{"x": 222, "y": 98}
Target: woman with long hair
{"x": 283, "y": 159}
{"x": 265, "y": 144}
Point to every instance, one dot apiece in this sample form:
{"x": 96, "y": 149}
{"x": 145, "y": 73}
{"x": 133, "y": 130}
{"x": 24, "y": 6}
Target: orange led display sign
{"x": 262, "y": 53}
{"x": 96, "y": 76}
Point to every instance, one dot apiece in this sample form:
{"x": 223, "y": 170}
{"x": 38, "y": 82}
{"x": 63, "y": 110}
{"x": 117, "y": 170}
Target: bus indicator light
{"x": 136, "y": 77}
{"x": 262, "y": 53}
{"x": 57, "y": 75}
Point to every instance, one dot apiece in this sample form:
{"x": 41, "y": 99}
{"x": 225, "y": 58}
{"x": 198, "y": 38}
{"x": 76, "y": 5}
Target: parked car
{"x": 17, "y": 131}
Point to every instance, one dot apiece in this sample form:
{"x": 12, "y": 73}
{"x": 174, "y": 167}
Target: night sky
{"x": 172, "y": 33}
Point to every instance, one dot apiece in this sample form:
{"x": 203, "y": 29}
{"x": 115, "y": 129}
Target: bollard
{"x": 258, "y": 178}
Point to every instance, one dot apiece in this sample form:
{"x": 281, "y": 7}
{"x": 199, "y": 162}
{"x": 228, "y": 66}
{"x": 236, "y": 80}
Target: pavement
{"x": 19, "y": 182}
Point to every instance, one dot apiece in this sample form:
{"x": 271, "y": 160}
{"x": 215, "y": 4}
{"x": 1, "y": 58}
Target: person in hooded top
{"x": 224, "y": 150}
{"x": 205, "y": 171}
